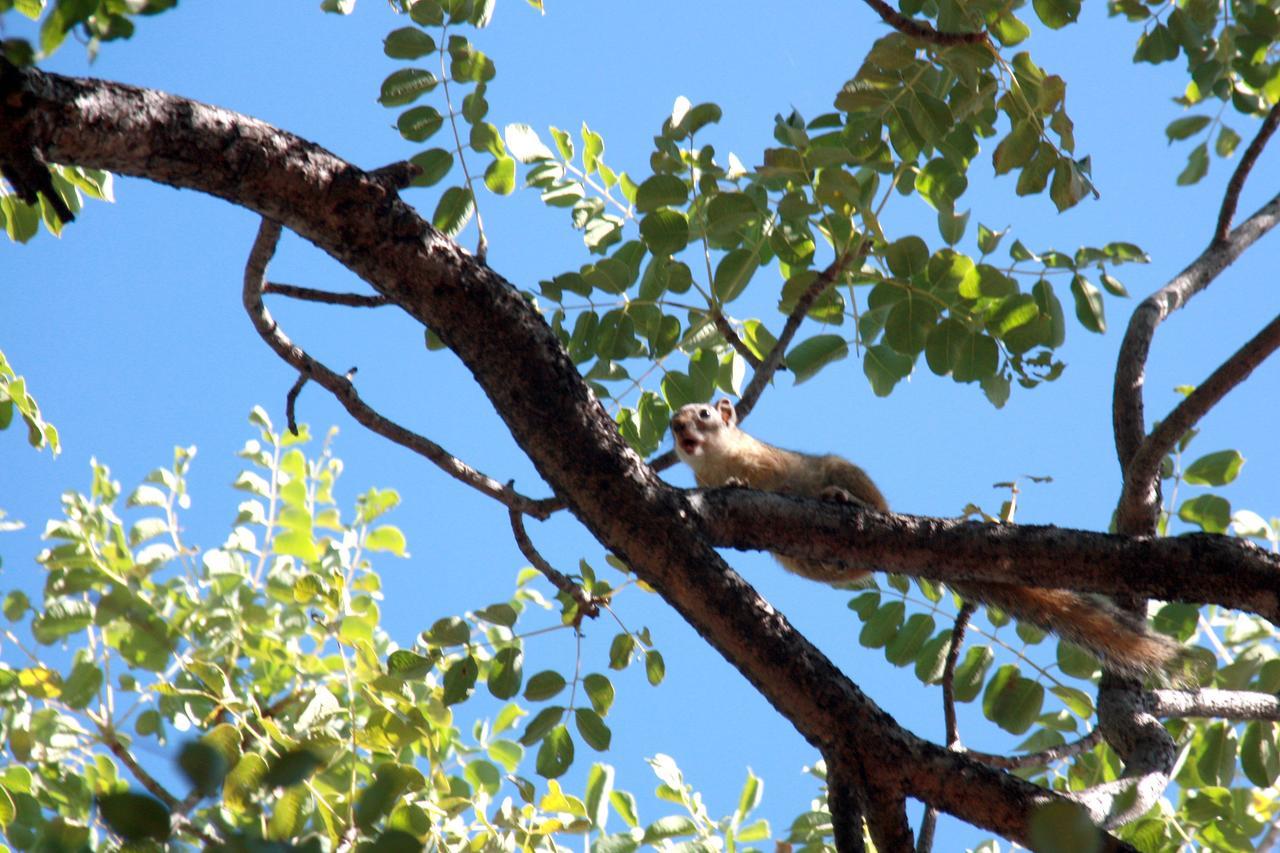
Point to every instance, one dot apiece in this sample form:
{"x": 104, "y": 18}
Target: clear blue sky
{"x": 130, "y": 332}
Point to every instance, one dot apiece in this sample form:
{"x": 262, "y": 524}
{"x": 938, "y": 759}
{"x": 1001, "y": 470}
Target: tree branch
{"x": 1201, "y": 568}
{"x": 929, "y": 824}
{"x": 264, "y": 247}
{"x": 764, "y": 374}
{"x": 1231, "y": 198}
{"x": 587, "y": 605}
{"x": 1140, "y": 500}
{"x": 921, "y": 30}
{"x": 727, "y": 330}
{"x": 1041, "y": 758}
{"x": 1227, "y": 704}
{"x": 548, "y": 407}
{"x": 1145, "y": 465}
{"x": 310, "y": 294}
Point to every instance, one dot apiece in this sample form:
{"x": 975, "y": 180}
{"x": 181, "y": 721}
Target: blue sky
{"x": 130, "y": 331}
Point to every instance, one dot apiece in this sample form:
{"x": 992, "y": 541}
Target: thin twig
{"x": 921, "y": 30}
{"x": 290, "y": 400}
{"x": 1231, "y": 197}
{"x": 825, "y": 279}
{"x": 111, "y": 742}
{"x": 310, "y": 294}
{"x": 587, "y": 605}
{"x": 341, "y": 388}
{"x": 949, "y": 673}
{"x": 929, "y": 824}
{"x": 1195, "y": 405}
{"x": 1038, "y": 759}
{"x": 739, "y": 346}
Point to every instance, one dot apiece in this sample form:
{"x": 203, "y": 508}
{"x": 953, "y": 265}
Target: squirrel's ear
{"x": 726, "y": 410}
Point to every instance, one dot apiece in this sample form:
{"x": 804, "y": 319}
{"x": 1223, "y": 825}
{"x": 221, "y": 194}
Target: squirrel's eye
{"x": 704, "y": 414}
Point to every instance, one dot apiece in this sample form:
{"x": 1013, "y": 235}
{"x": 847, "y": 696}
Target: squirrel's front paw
{"x": 735, "y": 483}
{"x": 840, "y": 496}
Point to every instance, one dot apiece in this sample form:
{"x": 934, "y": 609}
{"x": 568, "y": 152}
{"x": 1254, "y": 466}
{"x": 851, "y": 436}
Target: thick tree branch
{"x": 264, "y": 247}
{"x": 1231, "y": 198}
{"x": 921, "y": 30}
{"x": 1140, "y": 500}
{"x": 1222, "y": 704}
{"x": 547, "y": 405}
{"x": 1198, "y": 568}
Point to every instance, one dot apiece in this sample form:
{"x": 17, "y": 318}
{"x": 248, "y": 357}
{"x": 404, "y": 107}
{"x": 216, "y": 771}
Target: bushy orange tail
{"x": 1122, "y": 640}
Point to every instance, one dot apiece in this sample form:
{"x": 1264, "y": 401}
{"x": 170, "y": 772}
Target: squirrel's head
{"x": 696, "y": 424}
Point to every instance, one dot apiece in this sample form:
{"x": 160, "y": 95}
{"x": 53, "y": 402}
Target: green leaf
{"x": 1214, "y": 469}
{"x": 453, "y": 211}
{"x": 544, "y": 685}
{"x": 292, "y": 768}
{"x": 593, "y": 729}
{"x": 1156, "y": 45}
{"x": 460, "y": 679}
{"x": 623, "y": 644}
{"x": 408, "y": 43}
{"x": 524, "y": 144}
{"x": 882, "y": 625}
{"x": 599, "y": 690}
{"x": 1210, "y": 512}
{"x": 500, "y": 177}
{"x": 1186, "y": 126}
{"x": 971, "y": 672}
{"x": 1227, "y": 141}
{"x": 655, "y": 669}
{"x": 435, "y": 163}
{"x": 61, "y": 619}
{"x": 204, "y": 766}
{"x": 406, "y": 86}
{"x": 885, "y": 367}
{"x": 599, "y": 789}
{"x": 729, "y": 211}
{"x": 808, "y": 357}
{"x": 449, "y": 631}
{"x": 556, "y": 753}
{"x": 135, "y": 817}
{"x": 909, "y": 640}
{"x": 1056, "y": 14}
{"x": 1197, "y": 165}
{"x": 907, "y": 256}
{"x": 733, "y": 273}
{"x": 665, "y": 232}
{"x": 244, "y": 781}
{"x": 1088, "y": 301}
{"x": 506, "y": 673}
{"x": 386, "y": 538}
{"x": 1259, "y": 755}
{"x": 287, "y": 817}
{"x": 1011, "y": 701}
{"x": 661, "y": 191}
{"x": 542, "y": 722}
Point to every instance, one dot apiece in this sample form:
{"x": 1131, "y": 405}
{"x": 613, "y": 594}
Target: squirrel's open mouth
{"x": 689, "y": 445}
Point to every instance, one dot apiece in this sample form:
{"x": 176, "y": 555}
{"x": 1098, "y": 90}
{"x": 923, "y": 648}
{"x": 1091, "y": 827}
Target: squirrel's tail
{"x": 1122, "y": 640}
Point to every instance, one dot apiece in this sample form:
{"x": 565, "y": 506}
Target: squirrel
{"x": 708, "y": 440}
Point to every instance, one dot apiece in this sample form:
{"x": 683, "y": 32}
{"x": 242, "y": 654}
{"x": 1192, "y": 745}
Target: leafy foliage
{"x": 261, "y": 668}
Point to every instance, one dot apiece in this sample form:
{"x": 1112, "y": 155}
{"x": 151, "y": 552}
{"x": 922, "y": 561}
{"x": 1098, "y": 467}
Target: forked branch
{"x": 341, "y": 387}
